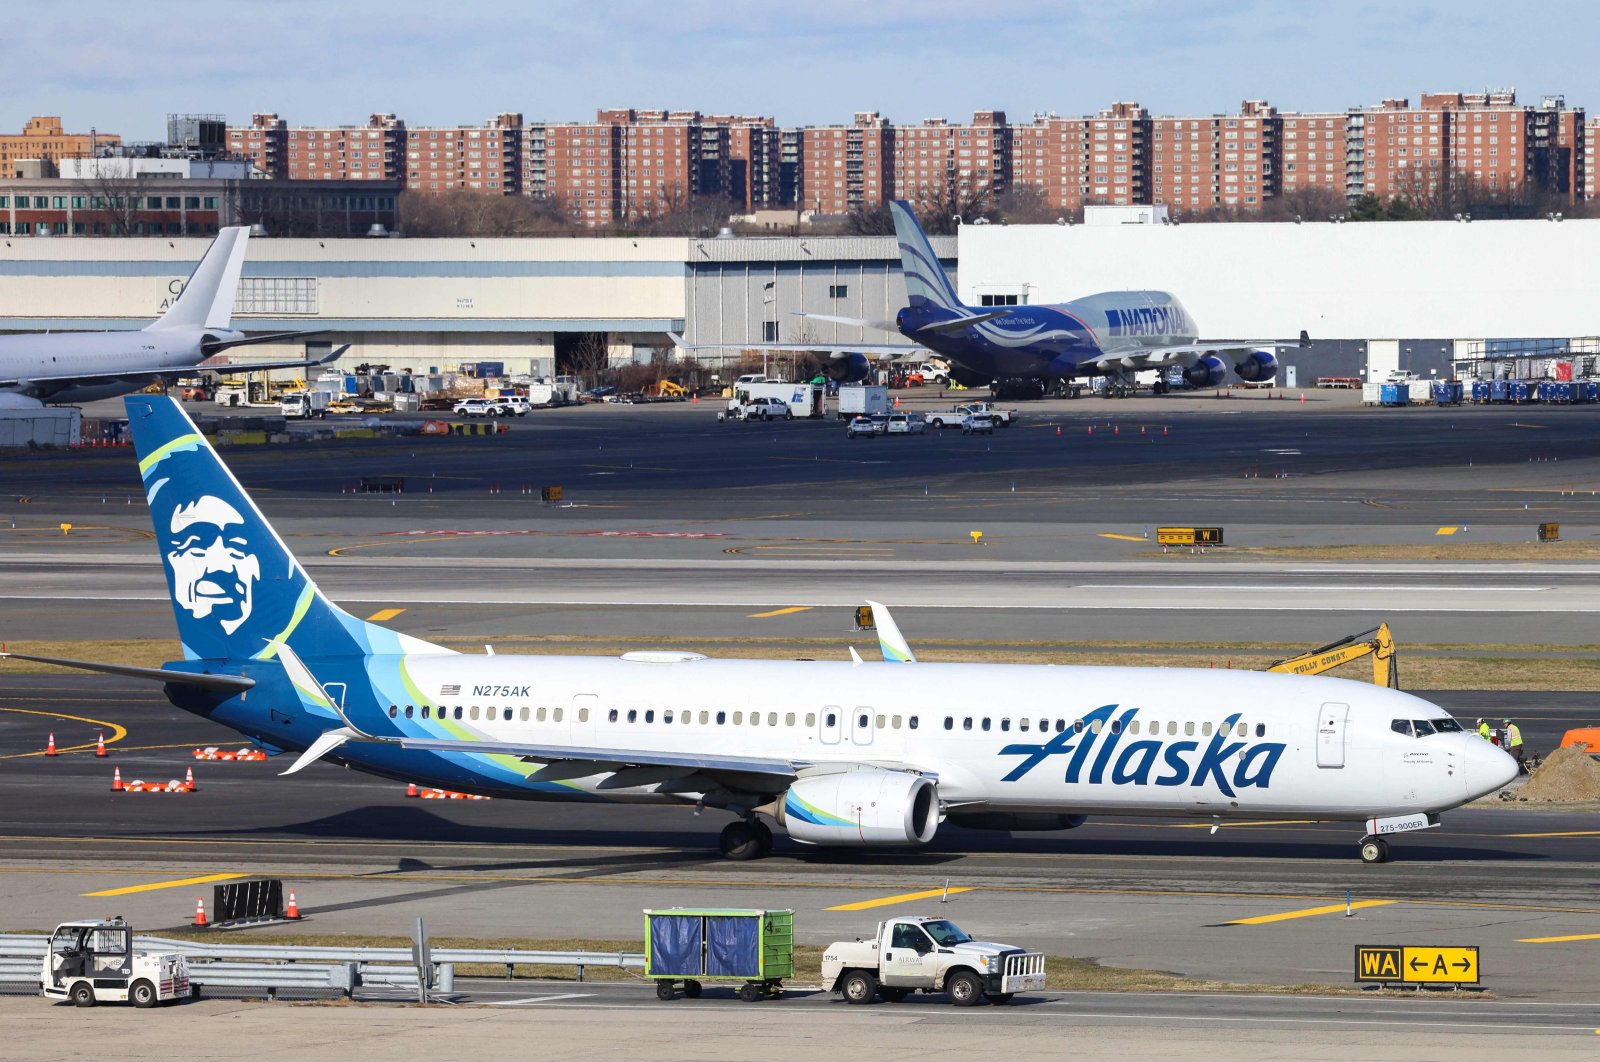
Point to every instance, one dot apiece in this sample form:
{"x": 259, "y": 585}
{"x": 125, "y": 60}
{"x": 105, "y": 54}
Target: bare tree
{"x": 1027, "y": 204}
{"x": 591, "y": 357}
{"x": 120, "y": 196}
{"x": 939, "y": 203}
{"x": 463, "y": 212}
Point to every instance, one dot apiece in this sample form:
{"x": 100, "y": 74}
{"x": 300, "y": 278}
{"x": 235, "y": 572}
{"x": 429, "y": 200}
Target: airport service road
{"x": 607, "y": 1023}
{"x": 1259, "y": 903}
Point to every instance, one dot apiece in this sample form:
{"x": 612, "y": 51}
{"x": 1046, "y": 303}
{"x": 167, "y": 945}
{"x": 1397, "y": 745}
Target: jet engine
{"x": 1207, "y": 372}
{"x": 1017, "y": 821}
{"x": 847, "y": 367}
{"x": 968, "y": 378}
{"x": 1258, "y": 366}
{"x": 861, "y": 807}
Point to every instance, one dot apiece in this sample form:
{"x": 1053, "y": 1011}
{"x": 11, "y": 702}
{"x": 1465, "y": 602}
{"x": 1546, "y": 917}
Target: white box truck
{"x": 862, "y": 400}
{"x": 304, "y": 404}
{"x": 803, "y": 399}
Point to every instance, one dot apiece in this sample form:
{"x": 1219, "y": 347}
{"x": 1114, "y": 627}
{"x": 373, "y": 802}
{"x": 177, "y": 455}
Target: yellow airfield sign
{"x": 1408, "y": 964}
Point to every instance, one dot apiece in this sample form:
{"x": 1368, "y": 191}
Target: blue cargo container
{"x": 1519, "y": 391}
{"x": 1499, "y": 390}
{"x": 1447, "y": 392}
{"x": 1588, "y": 390}
{"x": 1559, "y": 392}
{"x": 1480, "y": 391}
{"x": 1394, "y": 394}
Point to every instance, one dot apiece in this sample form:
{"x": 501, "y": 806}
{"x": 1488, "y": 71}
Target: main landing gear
{"x": 1374, "y": 850}
{"x": 745, "y": 839}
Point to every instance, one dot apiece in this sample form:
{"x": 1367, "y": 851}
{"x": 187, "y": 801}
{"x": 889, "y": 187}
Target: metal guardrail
{"x": 375, "y": 966}
{"x": 277, "y": 977}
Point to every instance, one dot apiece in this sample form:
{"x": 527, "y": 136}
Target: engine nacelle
{"x": 1207, "y": 372}
{"x": 968, "y": 378}
{"x": 1017, "y": 821}
{"x": 1259, "y": 366}
{"x": 861, "y": 807}
{"x": 848, "y": 367}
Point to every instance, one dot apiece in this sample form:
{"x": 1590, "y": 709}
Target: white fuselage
{"x": 1024, "y": 738}
{"x": 33, "y": 364}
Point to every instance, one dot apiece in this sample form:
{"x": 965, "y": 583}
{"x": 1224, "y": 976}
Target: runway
{"x": 679, "y": 528}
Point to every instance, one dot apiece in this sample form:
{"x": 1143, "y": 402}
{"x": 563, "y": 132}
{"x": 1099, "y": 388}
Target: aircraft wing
{"x": 881, "y": 350}
{"x": 1181, "y": 353}
{"x": 149, "y": 372}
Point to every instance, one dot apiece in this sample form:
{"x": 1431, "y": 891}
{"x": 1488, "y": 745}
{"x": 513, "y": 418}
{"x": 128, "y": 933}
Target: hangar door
{"x": 1330, "y": 735}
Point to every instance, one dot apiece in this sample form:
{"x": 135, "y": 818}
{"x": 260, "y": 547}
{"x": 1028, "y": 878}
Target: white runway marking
{"x": 538, "y": 999}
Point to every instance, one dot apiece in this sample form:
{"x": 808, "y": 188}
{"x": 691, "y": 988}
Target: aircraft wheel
{"x": 740, "y": 841}
{"x": 1374, "y": 850}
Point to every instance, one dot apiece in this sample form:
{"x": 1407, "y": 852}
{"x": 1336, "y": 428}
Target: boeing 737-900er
{"x": 1033, "y": 351}
{"x": 849, "y": 753}
{"x": 61, "y": 367}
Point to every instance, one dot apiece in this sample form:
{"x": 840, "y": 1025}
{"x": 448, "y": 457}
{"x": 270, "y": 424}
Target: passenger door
{"x": 1330, "y": 734}
{"x": 830, "y": 723}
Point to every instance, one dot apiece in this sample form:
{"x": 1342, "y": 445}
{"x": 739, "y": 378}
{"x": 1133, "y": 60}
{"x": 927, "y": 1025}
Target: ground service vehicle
{"x": 977, "y": 424}
{"x": 344, "y": 405}
{"x": 304, "y": 404}
{"x": 951, "y": 418}
{"x": 95, "y": 962}
{"x": 860, "y": 427}
{"x": 486, "y": 407}
{"x": 928, "y": 954}
{"x": 762, "y": 409}
{"x": 905, "y": 424}
{"x": 753, "y": 949}
{"x": 862, "y": 400}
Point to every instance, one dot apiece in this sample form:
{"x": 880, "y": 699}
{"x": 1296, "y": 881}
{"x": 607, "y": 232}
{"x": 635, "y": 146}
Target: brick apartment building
{"x": 44, "y": 138}
{"x": 847, "y": 168}
{"x": 942, "y": 163}
{"x": 486, "y": 158}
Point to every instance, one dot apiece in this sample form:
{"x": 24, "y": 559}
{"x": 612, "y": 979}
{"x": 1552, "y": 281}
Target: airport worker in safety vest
{"x": 1484, "y": 731}
{"x": 1514, "y": 738}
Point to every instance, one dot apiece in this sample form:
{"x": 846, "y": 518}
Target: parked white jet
{"x": 62, "y": 367}
{"x": 848, "y": 753}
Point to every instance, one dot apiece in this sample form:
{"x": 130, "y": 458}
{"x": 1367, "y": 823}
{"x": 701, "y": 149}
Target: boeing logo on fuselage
{"x": 1251, "y": 764}
{"x": 1146, "y": 321}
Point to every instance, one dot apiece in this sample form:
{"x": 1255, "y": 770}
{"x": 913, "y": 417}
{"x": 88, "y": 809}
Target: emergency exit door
{"x": 1330, "y": 734}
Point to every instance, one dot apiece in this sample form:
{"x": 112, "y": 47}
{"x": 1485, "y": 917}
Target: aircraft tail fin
{"x": 926, "y": 281}
{"x": 237, "y": 591}
{"x": 207, "y": 298}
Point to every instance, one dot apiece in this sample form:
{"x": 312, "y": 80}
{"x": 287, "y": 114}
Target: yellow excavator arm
{"x": 1377, "y": 643}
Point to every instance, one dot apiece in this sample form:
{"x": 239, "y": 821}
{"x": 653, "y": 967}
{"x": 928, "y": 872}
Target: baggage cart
{"x": 688, "y": 947}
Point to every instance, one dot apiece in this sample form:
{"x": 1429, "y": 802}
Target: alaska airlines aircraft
{"x": 60, "y": 367}
{"x": 848, "y": 754}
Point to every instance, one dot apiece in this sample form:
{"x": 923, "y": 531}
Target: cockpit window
{"x": 946, "y": 932}
{"x": 1401, "y": 726}
{"x": 1446, "y": 726}
{"x": 1424, "y": 727}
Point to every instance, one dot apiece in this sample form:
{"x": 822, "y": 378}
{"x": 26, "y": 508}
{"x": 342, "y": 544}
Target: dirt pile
{"x": 1567, "y": 776}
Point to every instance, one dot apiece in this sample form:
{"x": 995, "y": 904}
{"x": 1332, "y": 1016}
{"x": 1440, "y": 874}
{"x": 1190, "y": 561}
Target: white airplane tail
{"x": 207, "y": 298}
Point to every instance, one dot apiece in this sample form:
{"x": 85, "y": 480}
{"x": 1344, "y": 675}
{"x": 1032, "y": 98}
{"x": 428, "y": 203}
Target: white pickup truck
{"x": 929, "y": 954}
{"x": 952, "y": 418}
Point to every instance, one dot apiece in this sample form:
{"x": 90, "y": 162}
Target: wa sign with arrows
{"x": 1417, "y": 965}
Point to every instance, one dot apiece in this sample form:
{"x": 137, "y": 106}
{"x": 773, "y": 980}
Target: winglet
{"x": 890, "y": 641}
{"x": 326, "y": 742}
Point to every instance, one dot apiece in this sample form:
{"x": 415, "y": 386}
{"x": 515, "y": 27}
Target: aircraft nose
{"x": 1488, "y": 768}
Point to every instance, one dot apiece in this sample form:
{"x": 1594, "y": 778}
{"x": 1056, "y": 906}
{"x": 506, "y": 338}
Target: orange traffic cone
{"x": 293, "y": 910}
{"x": 200, "y": 912}
{"x": 188, "y": 780}
{"x": 100, "y": 746}
{"x": 116, "y": 779}
{"x": 411, "y": 790}
{"x": 50, "y": 747}
{"x": 1302, "y": 399}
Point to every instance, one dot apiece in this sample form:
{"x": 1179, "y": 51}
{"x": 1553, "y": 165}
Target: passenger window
{"x": 949, "y": 722}
{"x": 509, "y": 713}
{"x": 458, "y": 711}
{"x": 912, "y": 722}
{"x": 966, "y": 723}
{"x": 539, "y": 715}
{"x": 1022, "y": 724}
{"x": 1133, "y": 727}
{"x": 613, "y": 715}
{"x": 772, "y": 719}
{"x": 986, "y": 722}
{"x": 832, "y": 720}
{"x": 1205, "y": 729}
{"x": 722, "y": 717}
{"x": 1116, "y": 726}
{"x": 666, "y": 716}
{"x": 811, "y": 720}
{"x": 393, "y": 711}
{"x": 687, "y": 717}
{"x": 1061, "y": 726}
{"x": 738, "y": 718}
{"x": 861, "y": 721}
{"x": 705, "y": 718}
{"x": 425, "y": 710}
{"x": 1401, "y": 726}
{"x": 523, "y": 715}
{"x": 1077, "y": 726}
{"x": 409, "y": 710}
{"x": 1188, "y": 728}
{"x": 1261, "y": 730}
{"x": 880, "y": 722}
{"x": 650, "y": 715}
{"x": 1243, "y": 730}
{"x": 1097, "y": 726}
{"x": 1172, "y": 727}
{"x": 1005, "y": 724}
{"x": 788, "y": 720}
{"x": 556, "y": 715}
{"x": 473, "y": 712}
{"x": 633, "y": 715}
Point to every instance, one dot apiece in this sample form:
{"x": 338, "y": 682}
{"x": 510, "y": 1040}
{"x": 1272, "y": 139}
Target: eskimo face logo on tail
{"x": 1095, "y": 759}
{"x": 214, "y": 573}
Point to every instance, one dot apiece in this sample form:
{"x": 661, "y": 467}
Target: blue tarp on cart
{"x": 675, "y": 945}
{"x": 733, "y": 946}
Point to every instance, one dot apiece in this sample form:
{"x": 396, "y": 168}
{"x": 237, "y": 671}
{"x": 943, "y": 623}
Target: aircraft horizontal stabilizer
{"x": 220, "y": 683}
{"x": 961, "y": 322}
{"x": 253, "y": 366}
{"x": 212, "y": 345}
{"x": 854, "y": 322}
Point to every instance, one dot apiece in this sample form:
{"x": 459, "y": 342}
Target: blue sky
{"x": 122, "y": 67}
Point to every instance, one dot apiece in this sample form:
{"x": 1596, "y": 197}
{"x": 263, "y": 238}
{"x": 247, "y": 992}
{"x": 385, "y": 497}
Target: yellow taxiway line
{"x": 905, "y": 897}
{"x": 1123, "y": 538}
{"x": 1309, "y": 912}
{"x": 384, "y": 614}
{"x": 780, "y": 612}
{"x": 1559, "y": 940}
{"x": 205, "y": 880}
{"x": 117, "y": 732}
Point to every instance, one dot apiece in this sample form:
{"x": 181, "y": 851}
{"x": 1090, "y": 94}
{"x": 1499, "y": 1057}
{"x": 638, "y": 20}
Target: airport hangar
{"x": 1373, "y": 296}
